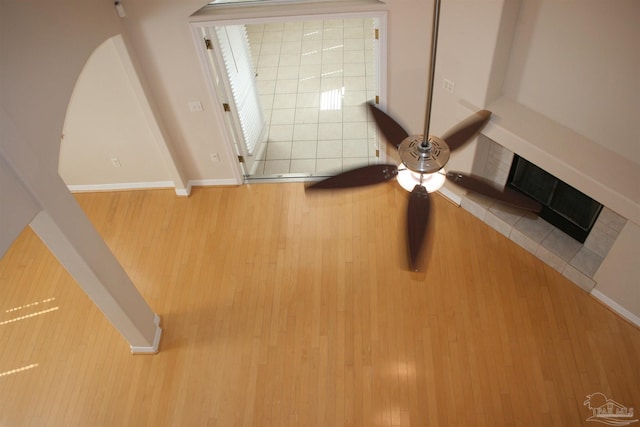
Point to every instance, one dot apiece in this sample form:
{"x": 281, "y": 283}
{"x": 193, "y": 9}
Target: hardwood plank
{"x": 285, "y": 309}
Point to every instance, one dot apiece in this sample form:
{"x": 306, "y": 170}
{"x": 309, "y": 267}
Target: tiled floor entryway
{"x": 314, "y": 78}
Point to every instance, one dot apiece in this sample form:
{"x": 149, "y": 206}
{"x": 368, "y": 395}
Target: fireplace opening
{"x": 563, "y": 206}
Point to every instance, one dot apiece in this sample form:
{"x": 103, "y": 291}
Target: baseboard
{"x": 623, "y": 312}
{"x": 124, "y": 186}
{"x": 455, "y": 198}
{"x": 156, "y": 341}
{"x": 211, "y": 182}
{"x": 153, "y": 185}
{"x": 184, "y": 192}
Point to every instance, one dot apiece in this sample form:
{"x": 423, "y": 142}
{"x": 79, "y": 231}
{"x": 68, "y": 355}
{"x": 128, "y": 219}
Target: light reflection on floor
{"x": 15, "y": 371}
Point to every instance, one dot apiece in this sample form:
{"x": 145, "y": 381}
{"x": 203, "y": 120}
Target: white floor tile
{"x": 354, "y": 114}
{"x": 309, "y": 71}
{"x": 306, "y": 115}
{"x": 278, "y": 133}
{"x": 354, "y": 148}
{"x": 284, "y": 101}
{"x": 283, "y": 116}
{"x": 272, "y": 37}
{"x": 303, "y": 166}
{"x": 269, "y": 48}
{"x": 330, "y": 149}
{"x": 328, "y": 131}
{"x": 311, "y": 58}
{"x": 288, "y": 72}
{"x": 354, "y": 162}
{"x": 266, "y": 73}
{"x": 266, "y": 86}
{"x": 292, "y": 47}
{"x": 297, "y": 63}
{"x": 328, "y": 166}
{"x": 354, "y": 57}
{"x": 276, "y": 167}
{"x": 278, "y": 150}
{"x": 355, "y": 70}
{"x": 271, "y": 60}
{"x": 355, "y": 130}
{"x": 305, "y": 132}
{"x": 286, "y": 86}
{"x": 330, "y": 116}
{"x": 289, "y": 59}
{"x": 304, "y": 149}
{"x": 354, "y": 97}
{"x": 309, "y": 85}
{"x": 305, "y": 100}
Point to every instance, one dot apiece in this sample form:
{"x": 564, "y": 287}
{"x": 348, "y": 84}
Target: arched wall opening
{"x": 110, "y": 139}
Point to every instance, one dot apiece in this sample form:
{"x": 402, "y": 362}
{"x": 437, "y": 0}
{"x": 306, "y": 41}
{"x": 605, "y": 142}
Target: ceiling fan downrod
{"x": 426, "y": 144}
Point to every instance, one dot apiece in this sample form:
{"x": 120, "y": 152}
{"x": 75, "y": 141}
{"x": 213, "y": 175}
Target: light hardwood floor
{"x": 281, "y": 309}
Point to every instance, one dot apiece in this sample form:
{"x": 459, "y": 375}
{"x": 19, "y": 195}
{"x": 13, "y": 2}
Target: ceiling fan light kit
{"x": 423, "y": 158}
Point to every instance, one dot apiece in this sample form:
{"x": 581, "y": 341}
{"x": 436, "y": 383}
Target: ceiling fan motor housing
{"x": 421, "y": 158}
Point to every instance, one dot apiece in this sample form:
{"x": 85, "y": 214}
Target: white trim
{"x": 217, "y": 99}
{"x": 154, "y": 185}
{"x": 211, "y": 182}
{"x": 206, "y": 18}
{"x": 623, "y": 312}
{"x": 156, "y": 340}
{"x": 123, "y": 186}
{"x": 184, "y": 192}
{"x": 450, "y": 195}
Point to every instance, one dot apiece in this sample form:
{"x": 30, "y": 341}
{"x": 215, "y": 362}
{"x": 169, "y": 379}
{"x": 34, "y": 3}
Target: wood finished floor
{"x": 281, "y": 309}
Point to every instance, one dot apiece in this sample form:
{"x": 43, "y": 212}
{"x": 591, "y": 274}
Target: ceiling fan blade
{"x": 461, "y": 133}
{"x": 505, "y": 195}
{"x": 418, "y": 212}
{"x": 392, "y": 131}
{"x": 368, "y": 175}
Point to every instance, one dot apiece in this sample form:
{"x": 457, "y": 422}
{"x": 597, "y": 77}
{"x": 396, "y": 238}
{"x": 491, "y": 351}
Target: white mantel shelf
{"x": 605, "y": 176}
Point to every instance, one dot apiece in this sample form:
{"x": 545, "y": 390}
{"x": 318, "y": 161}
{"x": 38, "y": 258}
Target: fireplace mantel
{"x": 600, "y": 173}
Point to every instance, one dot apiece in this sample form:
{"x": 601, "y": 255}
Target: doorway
{"x": 314, "y": 76}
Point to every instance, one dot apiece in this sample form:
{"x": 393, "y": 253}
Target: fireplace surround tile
{"x": 534, "y": 227}
{"x": 575, "y": 261}
{"x": 600, "y": 239}
{"x": 508, "y": 214}
{"x": 498, "y": 223}
{"x": 586, "y": 261}
{"x": 561, "y": 244}
{"x": 477, "y": 205}
{"x": 551, "y": 259}
{"x": 578, "y": 263}
{"x": 573, "y": 274}
{"x": 524, "y": 240}
{"x": 612, "y": 220}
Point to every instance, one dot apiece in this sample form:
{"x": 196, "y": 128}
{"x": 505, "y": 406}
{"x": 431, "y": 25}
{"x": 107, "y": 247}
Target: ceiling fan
{"x": 423, "y": 158}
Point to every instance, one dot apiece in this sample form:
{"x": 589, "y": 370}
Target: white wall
{"x": 105, "y": 120}
{"x": 618, "y": 278}
{"x": 577, "y": 62}
{"x": 17, "y": 206}
{"x": 159, "y": 34}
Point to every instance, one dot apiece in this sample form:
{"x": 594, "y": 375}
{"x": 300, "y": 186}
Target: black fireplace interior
{"x": 563, "y": 206}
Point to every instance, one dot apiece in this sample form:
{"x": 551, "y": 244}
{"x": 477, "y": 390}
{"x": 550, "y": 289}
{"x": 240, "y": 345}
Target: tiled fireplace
{"x": 576, "y": 261}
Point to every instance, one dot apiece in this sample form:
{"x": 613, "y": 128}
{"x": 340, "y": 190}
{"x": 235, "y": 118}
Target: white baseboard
{"x": 184, "y": 192}
{"x": 616, "y": 307}
{"x": 454, "y": 197}
{"x": 211, "y": 182}
{"x": 124, "y": 186}
{"x": 153, "y": 185}
{"x": 156, "y": 341}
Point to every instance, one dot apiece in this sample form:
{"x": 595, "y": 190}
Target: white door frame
{"x": 215, "y": 71}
